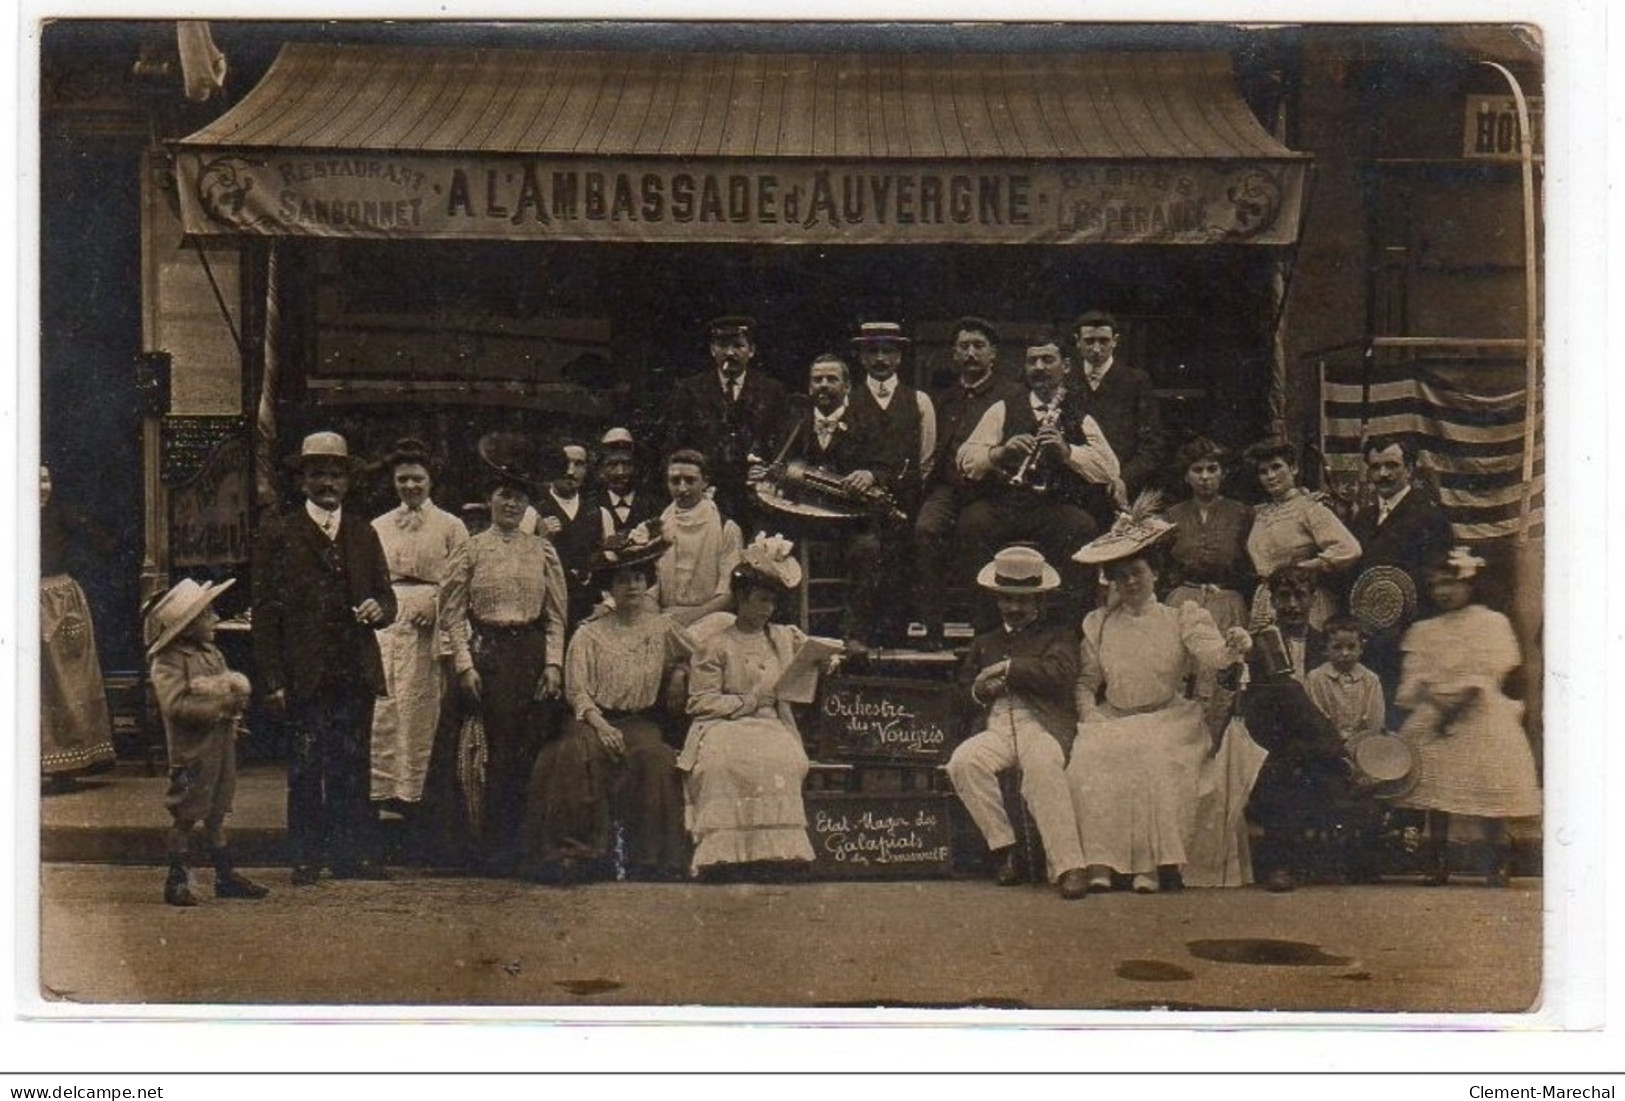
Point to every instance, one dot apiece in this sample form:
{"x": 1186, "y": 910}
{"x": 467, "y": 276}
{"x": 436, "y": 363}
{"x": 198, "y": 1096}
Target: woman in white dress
{"x": 419, "y": 540}
{"x": 743, "y": 759}
{"x": 1155, "y": 792}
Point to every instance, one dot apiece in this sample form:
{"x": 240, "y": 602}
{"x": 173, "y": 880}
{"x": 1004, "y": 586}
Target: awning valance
{"x": 371, "y": 141}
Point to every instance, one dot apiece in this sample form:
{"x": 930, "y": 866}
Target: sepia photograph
{"x": 611, "y": 517}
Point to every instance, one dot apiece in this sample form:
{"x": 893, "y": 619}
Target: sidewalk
{"x": 118, "y": 817}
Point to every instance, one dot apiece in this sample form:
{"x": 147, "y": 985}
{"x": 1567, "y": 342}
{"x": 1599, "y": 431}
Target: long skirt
{"x": 743, "y": 793}
{"x": 76, "y": 727}
{"x": 405, "y": 719}
{"x": 1150, "y": 791}
{"x": 586, "y": 806}
{"x": 510, "y": 663}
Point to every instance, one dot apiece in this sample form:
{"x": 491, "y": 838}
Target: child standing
{"x": 202, "y": 702}
{"x": 1347, "y": 693}
{"x": 1475, "y": 760}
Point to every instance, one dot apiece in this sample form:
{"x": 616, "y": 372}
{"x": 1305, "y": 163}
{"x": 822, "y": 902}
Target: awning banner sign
{"x": 311, "y": 193}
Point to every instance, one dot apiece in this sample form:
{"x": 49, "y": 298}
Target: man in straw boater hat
{"x": 201, "y": 702}
{"x": 321, "y": 588}
{"x": 1020, "y": 678}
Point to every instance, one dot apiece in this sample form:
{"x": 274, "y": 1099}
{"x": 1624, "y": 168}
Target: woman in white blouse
{"x": 609, "y": 772}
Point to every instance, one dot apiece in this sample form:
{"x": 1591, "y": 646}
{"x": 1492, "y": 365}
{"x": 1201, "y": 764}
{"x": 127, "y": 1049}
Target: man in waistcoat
{"x": 570, "y": 519}
{"x": 623, "y": 501}
{"x": 834, "y": 438}
{"x": 321, "y": 589}
{"x": 959, "y": 410}
{"x": 1041, "y": 472}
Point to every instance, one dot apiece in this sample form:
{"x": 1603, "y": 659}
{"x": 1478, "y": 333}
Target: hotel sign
{"x": 1490, "y": 127}
{"x": 318, "y": 194}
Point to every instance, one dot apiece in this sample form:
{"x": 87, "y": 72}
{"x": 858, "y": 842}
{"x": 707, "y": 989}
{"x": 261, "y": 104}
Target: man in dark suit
{"x": 570, "y": 519}
{"x": 728, "y": 414}
{"x": 1402, "y": 527}
{"x": 623, "y": 500}
{"x": 1121, "y": 400}
{"x": 321, "y": 588}
{"x": 1019, "y": 681}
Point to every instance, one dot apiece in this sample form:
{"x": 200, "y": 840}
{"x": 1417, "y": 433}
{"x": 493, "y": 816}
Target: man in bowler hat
{"x": 321, "y": 589}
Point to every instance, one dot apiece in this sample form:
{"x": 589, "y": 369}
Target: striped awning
{"x": 1064, "y": 148}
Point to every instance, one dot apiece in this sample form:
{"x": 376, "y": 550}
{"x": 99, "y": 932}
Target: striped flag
{"x": 1466, "y": 416}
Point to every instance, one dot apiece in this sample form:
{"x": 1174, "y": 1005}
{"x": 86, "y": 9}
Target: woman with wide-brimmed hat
{"x": 420, "y": 542}
{"x": 743, "y": 757}
{"x": 1153, "y": 792}
{"x": 509, "y": 649}
{"x": 610, "y": 768}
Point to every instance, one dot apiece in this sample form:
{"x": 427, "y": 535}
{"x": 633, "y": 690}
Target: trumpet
{"x": 1029, "y": 475}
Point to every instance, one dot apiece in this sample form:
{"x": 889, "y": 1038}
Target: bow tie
{"x": 409, "y": 519}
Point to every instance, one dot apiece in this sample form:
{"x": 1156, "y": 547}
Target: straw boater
{"x": 321, "y": 587}
{"x": 201, "y": 702}
{"x": 1019, "y": 679}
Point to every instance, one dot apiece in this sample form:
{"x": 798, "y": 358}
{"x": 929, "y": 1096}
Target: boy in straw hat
{"x": 1019, "y": 677}
{"x": 202, "y": 702}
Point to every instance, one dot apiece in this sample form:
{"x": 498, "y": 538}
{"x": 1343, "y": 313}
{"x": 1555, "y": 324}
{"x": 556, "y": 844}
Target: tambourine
{"x": 1382, "y": 597}
{"x": 1385, "y": 765}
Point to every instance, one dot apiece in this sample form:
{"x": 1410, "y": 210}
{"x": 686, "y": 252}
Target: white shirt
{"x": 825, "y": 427}
{"x": 739, "y": 383}
{"x": 327, "y": 521}
{"x": 1093, "y": 460}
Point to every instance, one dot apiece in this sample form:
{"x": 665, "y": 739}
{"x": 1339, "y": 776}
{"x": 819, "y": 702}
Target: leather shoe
{"x": 305, "y": 875}
{"x": 235, "y": 884}
{"x": 1100, "y": 879}
{"x": 1010, "y": 873}
{"x": 178, "y": 892}
{"x": 1145, "y": 883}
{"x": 1280, "y": 881}
{"x": 364, "y": 870}
{"x": 1073, "y": 884}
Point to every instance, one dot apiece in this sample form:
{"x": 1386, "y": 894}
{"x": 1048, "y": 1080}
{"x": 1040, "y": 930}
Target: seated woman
{"x": 609, "y": 767}
{"x": 743, "y": 758}
{"x": 1292, "y": 528}
{"x": 1207, "y": 553}
{"x": 693, "y": 574}
{"x": 1153, "y": 792}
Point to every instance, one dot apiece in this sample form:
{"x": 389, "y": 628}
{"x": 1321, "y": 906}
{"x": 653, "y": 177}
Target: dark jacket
{"x": 646, "y": 505}
{"x": 856, "y": 446}
{"x": 306, "y": 589}
{"x": 701, "y": 417}
{"x": 577, "y": 544}
{"x": 1043, "y": 673}
{"x": 1415, "y": 531}
{"x": 897, "y": 435}
{"x": 1128, "y": 413}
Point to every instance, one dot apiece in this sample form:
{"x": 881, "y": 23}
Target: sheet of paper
{"x": 799, "y": 681}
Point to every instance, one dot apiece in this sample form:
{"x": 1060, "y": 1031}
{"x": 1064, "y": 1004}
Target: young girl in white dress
{"x": 1475, "y": 762}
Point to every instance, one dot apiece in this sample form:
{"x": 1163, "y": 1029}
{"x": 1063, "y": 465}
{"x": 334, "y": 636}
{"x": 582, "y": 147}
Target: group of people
{"x": 599, "y": 668}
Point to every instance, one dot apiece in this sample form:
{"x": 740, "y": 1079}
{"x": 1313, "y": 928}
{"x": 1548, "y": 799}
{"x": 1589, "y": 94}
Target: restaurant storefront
{"x": 439, "y": 240}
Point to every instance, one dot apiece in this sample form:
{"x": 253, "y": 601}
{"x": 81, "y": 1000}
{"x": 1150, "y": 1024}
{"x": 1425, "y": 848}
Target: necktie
{"x": 732, "y": 390}
{"x": 328, "y": 527}
{"x": 1094, "y": 378}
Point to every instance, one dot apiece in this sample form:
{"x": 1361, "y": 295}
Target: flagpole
{"x": 1526, "y": 159}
